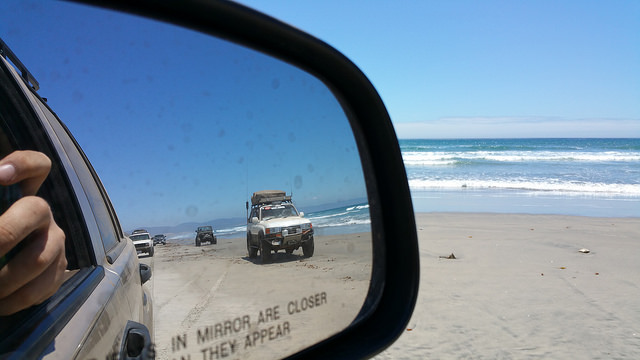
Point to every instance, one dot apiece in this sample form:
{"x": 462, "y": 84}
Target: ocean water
{"x": 346, "y": 219}
{"x": 586, "y": 177}
{"x": 589, "y": 177}
{"x": 342, "y": 220}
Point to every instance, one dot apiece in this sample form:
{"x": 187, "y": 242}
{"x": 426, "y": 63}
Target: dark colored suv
{"x": 159, "y": 239}
{"x": 103, "y": 304}
{"x": 205, "y": 234}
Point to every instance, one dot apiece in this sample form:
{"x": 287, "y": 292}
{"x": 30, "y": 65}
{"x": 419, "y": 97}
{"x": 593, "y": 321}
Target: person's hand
{"x": 37, "y": 270}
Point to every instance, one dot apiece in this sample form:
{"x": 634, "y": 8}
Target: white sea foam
{"x": 557, "y": 186}
{"x": 413, "y": 158}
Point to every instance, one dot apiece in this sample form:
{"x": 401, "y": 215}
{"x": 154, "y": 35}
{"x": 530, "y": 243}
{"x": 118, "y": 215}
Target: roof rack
{"x": 268, "y": 197}
{"x": 24, "y": 73}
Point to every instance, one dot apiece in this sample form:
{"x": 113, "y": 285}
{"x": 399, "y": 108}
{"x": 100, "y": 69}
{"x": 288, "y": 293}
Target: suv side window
{"x": 105, "y": 216}
{"x": 23, "y": 131}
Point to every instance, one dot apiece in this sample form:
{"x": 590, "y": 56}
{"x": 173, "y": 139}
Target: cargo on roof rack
{"x": 269, "y": 196}
{"x": 24, "y": 73}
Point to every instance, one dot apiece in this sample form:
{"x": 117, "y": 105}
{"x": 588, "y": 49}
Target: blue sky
{"x": 488, "y": 68}
{"x": 184, "y": 128}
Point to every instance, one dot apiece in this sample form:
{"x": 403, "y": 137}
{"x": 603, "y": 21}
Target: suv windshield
{"x": 278, "y": 211}
{"x": 139, "y": 237}
{"x": 204, "y": 228}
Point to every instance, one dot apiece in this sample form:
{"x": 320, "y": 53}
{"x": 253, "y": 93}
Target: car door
{"x": 102, "y": 300}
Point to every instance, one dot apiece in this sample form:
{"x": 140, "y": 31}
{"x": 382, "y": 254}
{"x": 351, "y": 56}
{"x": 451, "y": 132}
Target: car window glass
{"x": 103, "y": 216}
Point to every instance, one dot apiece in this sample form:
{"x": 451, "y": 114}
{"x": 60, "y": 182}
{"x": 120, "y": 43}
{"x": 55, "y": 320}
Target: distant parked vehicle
{"x": 159, "y": 239}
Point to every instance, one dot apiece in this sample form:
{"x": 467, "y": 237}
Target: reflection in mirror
{"x": 183, "y": 129}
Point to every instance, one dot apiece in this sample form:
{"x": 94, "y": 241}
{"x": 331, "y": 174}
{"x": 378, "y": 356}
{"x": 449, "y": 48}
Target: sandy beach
{"x": 518, "y": 288}
{"x": 213, "y": 302}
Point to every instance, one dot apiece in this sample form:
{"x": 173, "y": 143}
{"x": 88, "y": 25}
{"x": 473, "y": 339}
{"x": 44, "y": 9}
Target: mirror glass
{"x": 182, "y": 129}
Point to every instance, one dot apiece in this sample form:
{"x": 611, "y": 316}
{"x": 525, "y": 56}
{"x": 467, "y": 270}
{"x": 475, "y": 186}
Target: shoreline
{"x": 515, "y": 201}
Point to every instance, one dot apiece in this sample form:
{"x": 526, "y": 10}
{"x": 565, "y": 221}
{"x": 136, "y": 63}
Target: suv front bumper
{"x": 284, "y": 241}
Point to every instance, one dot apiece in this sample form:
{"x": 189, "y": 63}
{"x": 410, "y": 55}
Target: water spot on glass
{"x": 297, "y": 182}
{"x": 128, "y": 81}
{"x": 292, "y": 137}
{"x": 240, "y": 160}
{"x": 221, "y": 133}
{"x": 310, "y": 168}
{"x": 191, "y": 211}
{"x": 186, "y": 127}
{"x": 77, "y": 96}
{"x": 275, "y": 84}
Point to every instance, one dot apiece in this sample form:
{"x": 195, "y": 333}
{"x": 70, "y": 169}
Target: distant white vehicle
{"x": 275, "y": 224}
{"x": 143, "y": 241}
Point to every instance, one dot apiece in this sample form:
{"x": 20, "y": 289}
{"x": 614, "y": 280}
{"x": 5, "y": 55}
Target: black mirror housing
{"x": 145, "y": 273}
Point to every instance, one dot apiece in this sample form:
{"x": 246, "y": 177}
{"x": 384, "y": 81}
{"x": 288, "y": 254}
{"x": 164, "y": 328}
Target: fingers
{"x": 36, "y": 291}
{"x": 37, "y": 271}
{"x": 25, "y": 216}
{"x": 30, "y": 168}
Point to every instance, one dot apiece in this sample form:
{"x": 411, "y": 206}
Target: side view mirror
{"x": 217, "y": 101}
{"x": 145, "y": 273}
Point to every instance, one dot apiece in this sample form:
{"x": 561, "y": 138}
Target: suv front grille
{"x": 292, "y": 229}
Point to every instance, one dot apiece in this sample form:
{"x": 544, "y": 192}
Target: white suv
{"x": 276, "y": 224}
{"x": 143, "y": 241}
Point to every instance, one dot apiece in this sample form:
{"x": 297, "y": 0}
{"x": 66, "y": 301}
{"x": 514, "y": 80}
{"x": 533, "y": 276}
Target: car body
{"x": 205, "y": 234}
{"x": 159, "y": 239}
{"x": 275, "y": 224}
{"x": 143, "y": 242}
{"x": 102, "y": 310}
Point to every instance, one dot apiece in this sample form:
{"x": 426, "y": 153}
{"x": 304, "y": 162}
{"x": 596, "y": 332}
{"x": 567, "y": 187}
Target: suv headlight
{"x": 306, "y": 226}
{"x": 273, "y": 230}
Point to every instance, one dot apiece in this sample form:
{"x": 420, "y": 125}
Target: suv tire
{"x": 253, "y": 252}
{"x": 265, "y": 250}
{"x": 308, "y": 247}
